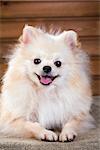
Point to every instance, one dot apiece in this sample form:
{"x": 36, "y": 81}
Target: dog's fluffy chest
{"x": 51, "y": 113}
{"x": 51, "y": 110}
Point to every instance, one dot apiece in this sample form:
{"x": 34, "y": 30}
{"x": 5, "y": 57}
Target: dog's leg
{"x": 27, "y": 129}
{"x": 68, "y": 132}
{"x": 76, "y": 124}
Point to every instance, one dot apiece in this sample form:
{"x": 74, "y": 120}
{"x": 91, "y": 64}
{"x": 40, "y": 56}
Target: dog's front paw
{"x": 47, "y": 135}
{"x": 67, "y": 136}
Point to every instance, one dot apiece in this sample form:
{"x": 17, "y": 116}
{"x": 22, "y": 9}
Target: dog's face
{"x": 48, "y": 58}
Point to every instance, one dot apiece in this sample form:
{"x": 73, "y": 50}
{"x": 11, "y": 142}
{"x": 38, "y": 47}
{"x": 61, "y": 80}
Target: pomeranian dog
{"x": 46, "y": 87}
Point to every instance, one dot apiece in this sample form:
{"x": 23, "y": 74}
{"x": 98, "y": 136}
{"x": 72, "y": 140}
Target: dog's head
{"x": 48, "y": 58}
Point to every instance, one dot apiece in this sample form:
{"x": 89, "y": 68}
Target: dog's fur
{"x": 30, "y": 109}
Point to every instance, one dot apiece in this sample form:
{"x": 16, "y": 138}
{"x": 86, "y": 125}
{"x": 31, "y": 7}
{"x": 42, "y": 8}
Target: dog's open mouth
{"x": 47, "y": 79}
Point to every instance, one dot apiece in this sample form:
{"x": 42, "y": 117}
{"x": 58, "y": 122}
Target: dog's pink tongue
{"x": 45, "y": 80}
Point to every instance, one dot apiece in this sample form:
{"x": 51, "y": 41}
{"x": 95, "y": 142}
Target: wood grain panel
{"x": 49, "y": 9}
{"x": 90, "y": 45}
{"x": 5, "y": 1}
{"x": 96, "y": 87}
{"x": 84, "y": 27}
{"x": 3, "y": 68}
{"x": 95, "y": 66}
{"x": 6, "y": 48}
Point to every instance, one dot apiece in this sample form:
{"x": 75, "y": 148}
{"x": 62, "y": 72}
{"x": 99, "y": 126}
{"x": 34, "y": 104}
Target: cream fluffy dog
{"x": 46, "y": 87}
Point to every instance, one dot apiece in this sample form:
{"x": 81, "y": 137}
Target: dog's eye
{"x": 57, "y": 63}
{"x": 37, "y": 61}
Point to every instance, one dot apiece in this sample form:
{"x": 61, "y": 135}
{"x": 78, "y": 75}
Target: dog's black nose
{"x": 47, "y": 69}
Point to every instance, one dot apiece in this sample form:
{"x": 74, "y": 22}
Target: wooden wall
{"x": 80, "y": 15}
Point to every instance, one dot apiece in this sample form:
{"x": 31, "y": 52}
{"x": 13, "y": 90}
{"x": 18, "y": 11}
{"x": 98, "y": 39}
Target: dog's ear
{"x": 29, "y": 34}
{"x": 71, "y": 39}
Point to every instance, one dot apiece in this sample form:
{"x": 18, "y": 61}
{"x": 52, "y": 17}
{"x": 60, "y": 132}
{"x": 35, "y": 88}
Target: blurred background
{"x": 79, "y": 15}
